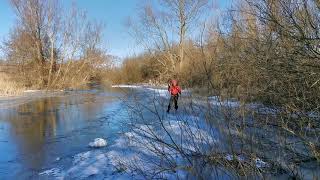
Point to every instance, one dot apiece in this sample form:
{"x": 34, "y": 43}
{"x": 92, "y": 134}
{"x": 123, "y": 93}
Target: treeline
{"x": 53, "y": 48}
{"x": 260, "y": 50}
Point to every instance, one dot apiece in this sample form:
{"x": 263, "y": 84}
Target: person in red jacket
{"x": 175, "y": 91}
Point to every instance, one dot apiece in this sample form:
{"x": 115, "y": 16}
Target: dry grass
{"x": 9, "y": 87}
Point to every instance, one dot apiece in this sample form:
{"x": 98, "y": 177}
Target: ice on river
{"x": 88, "y": 164}
{"x": 138, "y": 148}
{"x": 54, "y": 173}
{"x": 98, "y": 142}
{"x": 126, "y": 86}
{"x": 161, "y": 91}
{"x": 134, "y": 149}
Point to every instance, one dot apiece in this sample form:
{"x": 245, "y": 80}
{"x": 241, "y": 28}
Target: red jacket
{"x": 174, "y": 90}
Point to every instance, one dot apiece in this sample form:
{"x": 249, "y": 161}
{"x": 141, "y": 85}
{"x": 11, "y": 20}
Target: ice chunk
{"x": 54, "y": 172}
{"x": 260, "y": 163}
{"x": 31, "y": 91}
{"x": 126, "y": 86}
{"x": 231, "y": 157}
{"x": 91, "y": 163}
{"x": 98, "y": 142}
{"x": 217, "y": 101}
{"x": 159, "y": 92}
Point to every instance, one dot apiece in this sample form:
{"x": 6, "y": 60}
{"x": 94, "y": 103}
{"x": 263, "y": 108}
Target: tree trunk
{"x": 52, "y": 64}
{"x": 182, "y": 21}
{"x": 40, "y": 62}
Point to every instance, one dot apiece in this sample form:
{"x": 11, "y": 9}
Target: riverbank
{"x": 27, "y": 96}
{"x": 22, "y": 96}
{"x": 9, "y": 87}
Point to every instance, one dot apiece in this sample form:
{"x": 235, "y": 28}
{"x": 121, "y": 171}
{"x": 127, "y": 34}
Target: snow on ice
{"x": 131, "y": 149}
{"x": 137, "y": 148}
{"x": 98, "y": 142}
{"x": 126, "y": 86}
{"x": 54, "y": 173}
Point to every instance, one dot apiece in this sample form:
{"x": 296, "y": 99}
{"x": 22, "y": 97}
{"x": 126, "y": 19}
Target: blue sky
{"x": 113, "y": 13}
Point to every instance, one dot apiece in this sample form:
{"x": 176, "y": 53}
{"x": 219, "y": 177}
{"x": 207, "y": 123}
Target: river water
{"x": 39, "y": 133}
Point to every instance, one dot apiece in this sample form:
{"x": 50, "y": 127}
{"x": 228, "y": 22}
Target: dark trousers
{"x": 173, "y": 100}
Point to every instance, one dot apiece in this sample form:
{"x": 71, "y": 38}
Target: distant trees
{"x": 258, "y": 51}
{"x": 137, "y": 69}
{"x": 165, "y": 30}
{"x": 46, "y": 41}
{"x": 283, "y": 53}
{"x": 36, "y": 28}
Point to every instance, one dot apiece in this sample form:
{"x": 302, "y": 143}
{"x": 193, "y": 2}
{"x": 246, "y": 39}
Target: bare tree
{"x": 33, "y": 19}
{"x": 185, "y": 13}
{"x": 159, "y": 29}
{"x": 47, "y": 43}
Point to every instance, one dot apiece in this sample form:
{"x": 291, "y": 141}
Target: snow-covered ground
{"x": 142, "y": 147}
{"x": 126, "y": 86}
{"x": 138, "y": 150}
{"x": 145, "y": 147}
{"x": 132, "y": 150}
{"x": 213, "y": 100}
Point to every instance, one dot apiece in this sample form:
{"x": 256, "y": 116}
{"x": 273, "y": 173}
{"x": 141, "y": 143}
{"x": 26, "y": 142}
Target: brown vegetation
{"x": 51, "y": 49}
{"x": 9, "y": 87}
{"x": 264, "y": 52}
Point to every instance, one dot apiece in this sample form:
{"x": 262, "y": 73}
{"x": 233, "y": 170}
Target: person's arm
{"x": 179, "y": 89}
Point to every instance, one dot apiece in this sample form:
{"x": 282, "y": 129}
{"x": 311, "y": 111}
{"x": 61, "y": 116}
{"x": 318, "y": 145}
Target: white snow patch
{"x": 31, "y": 91}
{"x": 163, "y": 92}
{"x": 260, "y": 163}
{"x": 56, "y": 173}
{"x": 231, "y": 157}
{"x": 126, "y": 86}
{"x": 216, "y": 101}
{"x": 124, "y": 159}
{"x": 159, "y": 92}
{"x": 198, "y": 135}
{"x": 262, "y": 109}
{"x": 314, "y": 115}
{"x": 93, "y": 164}
{"x": 98, "y": 142}
{"x": 88, "y": 164}
{"x": 138, "y": 149}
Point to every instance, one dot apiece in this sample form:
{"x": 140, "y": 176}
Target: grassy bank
{"x": 9, "y": 87}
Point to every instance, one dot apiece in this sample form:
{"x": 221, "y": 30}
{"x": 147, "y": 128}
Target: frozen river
{"x": 41, "y": 133}
{"x": 48, "y": 136}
